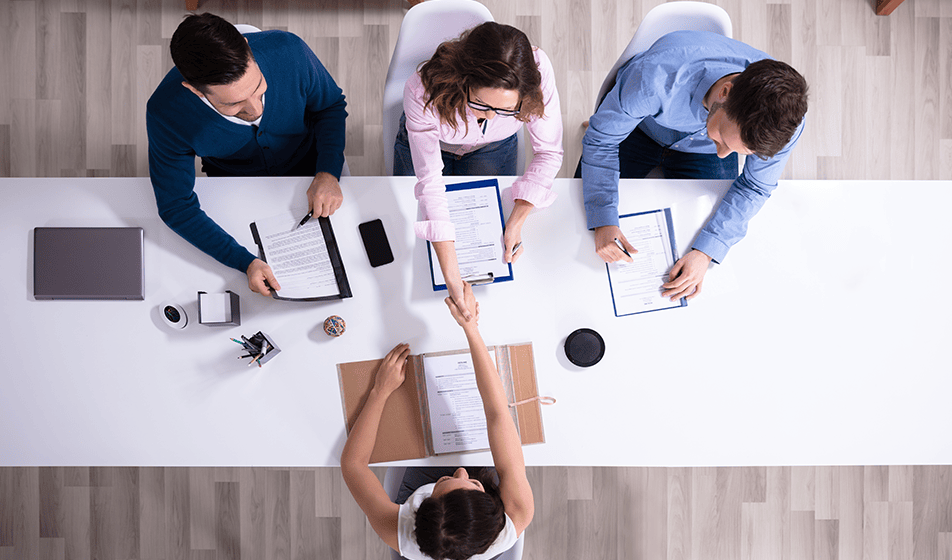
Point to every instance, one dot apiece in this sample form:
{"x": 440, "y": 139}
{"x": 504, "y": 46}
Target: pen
{"x": 516, "y": 248}
{"x": 306, "y": 218}
{"x": 255, "y": 360}
{"x": 622, "y": 247}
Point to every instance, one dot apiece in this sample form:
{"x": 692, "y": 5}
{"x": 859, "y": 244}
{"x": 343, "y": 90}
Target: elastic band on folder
{"x": 542, "y": 400}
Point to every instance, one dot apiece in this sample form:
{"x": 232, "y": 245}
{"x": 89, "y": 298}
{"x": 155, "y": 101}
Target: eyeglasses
{"x": 501, "y": 112}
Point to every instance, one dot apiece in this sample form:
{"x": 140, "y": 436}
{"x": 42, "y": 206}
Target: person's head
{"x": 216, "y": 63}
{"x": 490, "y": 67}
{"x": 461, "y": 518}
{"x": 758, "y": 110}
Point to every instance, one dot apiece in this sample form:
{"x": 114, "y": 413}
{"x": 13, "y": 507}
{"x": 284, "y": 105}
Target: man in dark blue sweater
{"x": 254, "y": 105}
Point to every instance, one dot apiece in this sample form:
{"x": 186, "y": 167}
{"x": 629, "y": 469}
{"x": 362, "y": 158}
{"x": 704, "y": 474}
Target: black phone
{"x": 375, "y": 242}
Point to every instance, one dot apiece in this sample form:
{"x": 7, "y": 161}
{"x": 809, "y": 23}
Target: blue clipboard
{"x": 674, "y": 258}
{"x": 478, "y": 279}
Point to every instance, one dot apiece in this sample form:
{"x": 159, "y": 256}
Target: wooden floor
{"x": 73, "y": 84}
{"x": 77, "y": 73}
{"x": 756, "y": 513}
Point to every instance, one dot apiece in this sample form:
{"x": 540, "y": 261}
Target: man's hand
{"x": 261, "y": 279}
{"x": 686, "y": 276}
{"x": 392, "y": 370}
{"x": 471, "y": 305}
{"x": 324, "y": 196}
{"x": 606, "y": 247}
{"x": 513, "y": 235}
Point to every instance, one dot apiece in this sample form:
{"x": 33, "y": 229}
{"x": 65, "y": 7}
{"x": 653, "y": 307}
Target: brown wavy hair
{"x": 490, "y": 55}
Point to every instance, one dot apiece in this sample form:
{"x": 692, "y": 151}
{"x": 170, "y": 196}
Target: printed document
{"x": 636, "y": 286}
{"x": 457, "y": 419}
{"x": 476, "y": 214}
{"x": 298, "y": 257}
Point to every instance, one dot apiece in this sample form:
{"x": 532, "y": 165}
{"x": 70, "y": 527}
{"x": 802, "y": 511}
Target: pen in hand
{"x": 306, "y": 218}
{"x": 515, "y": 248}
{"x": 622, "y": 247}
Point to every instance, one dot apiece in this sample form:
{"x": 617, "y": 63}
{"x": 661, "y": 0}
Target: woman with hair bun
{"x": 462, "y": 110}
{"x": 444, "y": 513}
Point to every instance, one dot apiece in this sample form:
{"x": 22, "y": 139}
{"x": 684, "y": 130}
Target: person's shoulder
{"x": 694, "y": 41}
{"x": 168, "y": 95}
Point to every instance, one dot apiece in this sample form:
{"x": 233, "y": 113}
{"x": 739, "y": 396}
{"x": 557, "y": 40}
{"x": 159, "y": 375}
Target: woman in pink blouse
{"x": 462, "y": 111}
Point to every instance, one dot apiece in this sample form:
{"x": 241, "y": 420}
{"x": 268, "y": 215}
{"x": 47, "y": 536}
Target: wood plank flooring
{"x": 741, "y": 513}
{"x": 77, "y": 73}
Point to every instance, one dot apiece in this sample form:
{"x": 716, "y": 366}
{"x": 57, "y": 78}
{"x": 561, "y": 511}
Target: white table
{"x": 820, "y": 340}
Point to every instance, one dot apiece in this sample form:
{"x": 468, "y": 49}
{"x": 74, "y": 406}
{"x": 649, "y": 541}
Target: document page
{"x": 457, "y": 420}
{"x": 297, "y": 256}
{"x": 636, "y": 286}
{"x": 476, "y": 215}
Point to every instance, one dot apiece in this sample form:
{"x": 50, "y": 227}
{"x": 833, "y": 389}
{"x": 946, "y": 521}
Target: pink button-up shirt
{"x": 426, "y": 132}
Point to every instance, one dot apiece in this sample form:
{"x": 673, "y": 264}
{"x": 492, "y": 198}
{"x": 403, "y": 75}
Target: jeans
{"x": 639, "y": 154}
{"x": 496, "y": 158}
{"x": 415, "y": 477}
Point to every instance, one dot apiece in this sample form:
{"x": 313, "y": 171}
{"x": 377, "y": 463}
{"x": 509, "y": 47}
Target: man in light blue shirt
{"x": 690, "y": 104}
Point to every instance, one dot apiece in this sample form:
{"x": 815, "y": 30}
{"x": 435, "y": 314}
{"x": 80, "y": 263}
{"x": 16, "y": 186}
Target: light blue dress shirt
{"x": 662, "y": 90}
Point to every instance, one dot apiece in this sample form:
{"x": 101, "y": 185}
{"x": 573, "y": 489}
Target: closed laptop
{"x": 87, "y": 263}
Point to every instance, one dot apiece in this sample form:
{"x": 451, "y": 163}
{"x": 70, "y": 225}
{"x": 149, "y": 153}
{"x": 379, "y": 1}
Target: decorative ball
{"x": 334, "y": 325}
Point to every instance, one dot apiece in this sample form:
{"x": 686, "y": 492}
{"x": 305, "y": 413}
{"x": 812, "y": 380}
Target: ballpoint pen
{"x": 306, "y": 218}
{"x": 622, "y": 247}
{"x": 515, "y": 248}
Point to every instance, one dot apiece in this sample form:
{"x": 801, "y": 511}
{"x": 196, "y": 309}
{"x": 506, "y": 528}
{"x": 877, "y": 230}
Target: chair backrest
{"x": 391, "y": 485}
{"x": 663, "y": 19}
{"x": 425, "y": 26}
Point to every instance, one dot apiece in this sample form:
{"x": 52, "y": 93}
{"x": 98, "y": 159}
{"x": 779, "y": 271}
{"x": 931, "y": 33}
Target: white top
{"x": 236, "y": 120}
{"x": 406, "y": 523}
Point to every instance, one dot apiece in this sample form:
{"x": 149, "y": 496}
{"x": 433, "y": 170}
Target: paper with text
{"x": 476, "y": 214}
{"x": 297, "y": 256}
{"x": 636, "y": 286}
{"x": 457, "y": 419}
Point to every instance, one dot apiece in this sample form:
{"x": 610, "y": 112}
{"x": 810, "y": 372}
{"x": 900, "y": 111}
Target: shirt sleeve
{"x": 172, "y": 170}
{"x": 742, "y": 201}
{"x": 325, "y": 113}
{"x": 545, "y": 134}
{"x": 423, "y": 134}
{"x": 622, "y": 110}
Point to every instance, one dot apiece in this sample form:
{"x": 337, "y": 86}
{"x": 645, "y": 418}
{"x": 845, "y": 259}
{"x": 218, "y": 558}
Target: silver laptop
{"x": 87, "y": 263}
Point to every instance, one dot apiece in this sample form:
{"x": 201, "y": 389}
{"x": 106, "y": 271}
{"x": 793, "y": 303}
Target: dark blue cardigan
{"x": 304, "y": 109}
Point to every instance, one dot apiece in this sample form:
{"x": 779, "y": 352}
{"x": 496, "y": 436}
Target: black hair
{"x": 209, "y": 51}
{"x": 461, "y": 523}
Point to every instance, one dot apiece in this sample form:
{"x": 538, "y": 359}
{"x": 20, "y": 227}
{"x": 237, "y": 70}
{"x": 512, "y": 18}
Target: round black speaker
{"x": 584, "y": 347}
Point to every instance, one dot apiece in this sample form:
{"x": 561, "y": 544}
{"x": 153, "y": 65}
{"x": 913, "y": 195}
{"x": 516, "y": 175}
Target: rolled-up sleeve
{"x": 743, "y": 200}
{"x": 430, "y": 190}
{"x": 545, "y": 134}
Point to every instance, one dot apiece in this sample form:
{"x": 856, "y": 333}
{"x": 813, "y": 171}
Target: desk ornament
{"x": 334, "y": 325}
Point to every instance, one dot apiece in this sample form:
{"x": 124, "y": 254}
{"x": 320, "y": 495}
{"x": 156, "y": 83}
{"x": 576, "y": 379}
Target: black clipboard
{"x": 333, "y": 253}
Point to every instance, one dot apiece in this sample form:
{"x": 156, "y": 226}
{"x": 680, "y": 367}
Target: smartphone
{"x": 375, "y": 242}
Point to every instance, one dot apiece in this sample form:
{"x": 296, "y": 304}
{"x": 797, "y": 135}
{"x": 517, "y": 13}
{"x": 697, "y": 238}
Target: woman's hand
{"x": 471, "y": 305}
{"x": 512, "y": 239}
{"x": 392, "y": 370}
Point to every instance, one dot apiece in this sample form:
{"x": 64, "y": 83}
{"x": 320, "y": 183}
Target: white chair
{"x": 663, "y": 19}
{"x": 391, "y": 484}
{"x": 425, "y": 26}
{"x": 245, "y": 29}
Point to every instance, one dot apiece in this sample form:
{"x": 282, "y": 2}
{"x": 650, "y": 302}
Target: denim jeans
{"x": 639, "y": 154}
{"x": 496, "y": 158}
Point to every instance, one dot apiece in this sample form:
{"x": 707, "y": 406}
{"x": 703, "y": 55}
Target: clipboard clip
{"x": 477, "y": 280}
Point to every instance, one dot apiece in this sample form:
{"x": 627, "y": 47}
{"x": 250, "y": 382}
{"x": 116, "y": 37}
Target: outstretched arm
{"x": 504, "y": 442}
{"x": 355, "y": 459}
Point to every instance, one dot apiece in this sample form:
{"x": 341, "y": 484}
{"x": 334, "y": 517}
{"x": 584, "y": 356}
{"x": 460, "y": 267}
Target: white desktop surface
{"x": 820, "y": 340}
